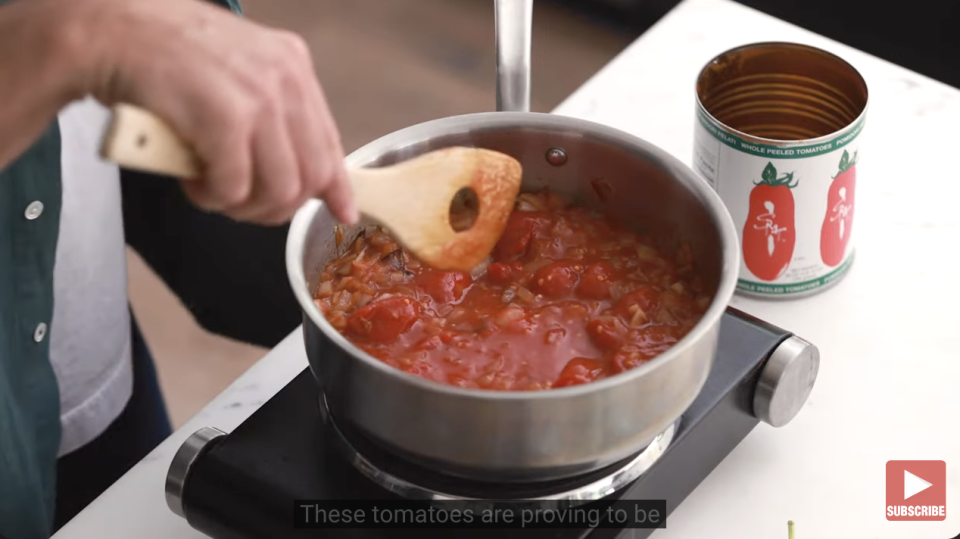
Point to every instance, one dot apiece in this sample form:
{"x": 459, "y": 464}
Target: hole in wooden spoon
{"x": 464, "y": 209}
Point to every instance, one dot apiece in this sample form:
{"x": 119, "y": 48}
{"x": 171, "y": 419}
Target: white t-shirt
{"x": 90, "y": 332}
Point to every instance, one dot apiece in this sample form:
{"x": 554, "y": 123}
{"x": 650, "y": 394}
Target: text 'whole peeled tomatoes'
{"x": 838, "y": 222}
{"x": 769, "y": 233}
{"x": 568, "y": 297}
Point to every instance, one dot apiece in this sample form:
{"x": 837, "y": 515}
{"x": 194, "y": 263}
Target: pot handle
{"x": 514, "y": 21}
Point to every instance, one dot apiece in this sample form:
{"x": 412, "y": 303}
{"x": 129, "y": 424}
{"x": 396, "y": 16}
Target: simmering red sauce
{"x": 568, "y": 297}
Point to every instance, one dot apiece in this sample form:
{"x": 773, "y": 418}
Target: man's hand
{"x": 244, "y": 96}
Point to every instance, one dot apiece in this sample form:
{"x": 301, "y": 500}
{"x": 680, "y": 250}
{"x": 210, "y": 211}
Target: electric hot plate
{"x": 244, "y": 485}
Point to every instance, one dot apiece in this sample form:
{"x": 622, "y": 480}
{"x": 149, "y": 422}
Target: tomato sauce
{"x": 568, "y": 297}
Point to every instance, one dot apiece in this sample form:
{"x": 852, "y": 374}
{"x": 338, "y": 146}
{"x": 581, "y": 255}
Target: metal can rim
{"x": 774, "y": 142}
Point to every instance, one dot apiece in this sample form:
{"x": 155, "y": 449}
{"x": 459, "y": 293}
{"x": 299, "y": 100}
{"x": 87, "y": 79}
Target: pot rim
{"x": 412, "y": 135}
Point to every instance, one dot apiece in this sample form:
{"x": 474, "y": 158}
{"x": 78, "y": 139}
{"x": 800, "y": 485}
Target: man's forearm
{"x": 39, "y": 71}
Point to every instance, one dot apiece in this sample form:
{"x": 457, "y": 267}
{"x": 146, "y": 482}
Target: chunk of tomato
{"x": 595, "y": 282}
{"x": 430, "y": 343}
{"x": 384, "y": 320}
{"x": 660, "y": 335}
{"x": 646, "y": 296}
{"x": 504, "y": 272}
{"x": 579, "y": 371}
{"x": 556, "y": 279}
{"x": 444, "y": 286}
{"x": 608, "y": 332}
{"x": 629, "y": 357}
{"x": 521, "y": 228}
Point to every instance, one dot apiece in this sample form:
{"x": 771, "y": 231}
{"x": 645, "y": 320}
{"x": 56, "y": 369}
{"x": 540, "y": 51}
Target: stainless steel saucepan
{"x": 526, "y": 436}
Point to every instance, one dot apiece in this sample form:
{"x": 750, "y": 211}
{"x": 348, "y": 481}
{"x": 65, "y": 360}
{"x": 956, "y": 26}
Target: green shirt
{"x": 29, "y": 396}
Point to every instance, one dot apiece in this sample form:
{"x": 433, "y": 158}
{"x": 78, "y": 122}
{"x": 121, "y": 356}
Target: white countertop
{"x": 889, "y": 374}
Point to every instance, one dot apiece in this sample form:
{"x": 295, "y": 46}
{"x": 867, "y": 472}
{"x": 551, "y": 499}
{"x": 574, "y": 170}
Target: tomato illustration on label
{"x": 768, "y": 234}
{"x": 838, "y": 222}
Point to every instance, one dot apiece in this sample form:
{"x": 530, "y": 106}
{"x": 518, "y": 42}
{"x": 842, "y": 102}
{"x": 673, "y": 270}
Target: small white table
{"x": 889, "y": 372}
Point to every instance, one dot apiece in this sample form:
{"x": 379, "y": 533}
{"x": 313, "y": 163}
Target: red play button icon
{"x": 916, "y": 490}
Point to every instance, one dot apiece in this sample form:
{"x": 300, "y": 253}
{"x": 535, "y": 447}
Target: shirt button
{"x": 33, "y": 210}
{"x": 40, "y": 332}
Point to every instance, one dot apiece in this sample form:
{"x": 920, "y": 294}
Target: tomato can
{"x": 777, "y": 136}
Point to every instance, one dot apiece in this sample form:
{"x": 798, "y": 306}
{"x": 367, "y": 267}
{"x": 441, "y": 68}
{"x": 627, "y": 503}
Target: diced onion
{"x": 639, "y": 316}
{"x": 395, "y": 259}
{"x": 337, "y": 319}
{"x": 325, "y": 289}
{"x": 530, "y": 202}
{"x": 537, "y": 264}
{"x": 525, "y": 295}
{"x": 345, "y": 283}
{"x": 481, "y": 268}
{"x": 510, "y": 314}
{"x": 380, "y": 240}
{"x": 663, "y": 316}
{"x": 357, "y": 244}
{"x": 523, "y": 205}
{"x": 647, "y": 253}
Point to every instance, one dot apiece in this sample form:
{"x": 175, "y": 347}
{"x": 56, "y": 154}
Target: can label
{"x": 792, "y": 203}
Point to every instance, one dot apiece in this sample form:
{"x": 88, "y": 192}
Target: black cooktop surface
{"x": 245, "y": 484}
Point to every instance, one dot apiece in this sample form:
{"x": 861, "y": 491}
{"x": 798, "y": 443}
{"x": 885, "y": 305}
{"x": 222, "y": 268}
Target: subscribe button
{"x": 916, "y": 490}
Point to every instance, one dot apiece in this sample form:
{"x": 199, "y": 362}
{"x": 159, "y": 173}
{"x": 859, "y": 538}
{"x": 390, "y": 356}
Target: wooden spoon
{"x": 412, "y": 198}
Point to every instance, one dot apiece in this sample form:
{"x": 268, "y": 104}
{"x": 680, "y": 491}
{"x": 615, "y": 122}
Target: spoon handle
{"x": 139, "y": 140}
{"x": 514, "y": 20}
{"x": 412, "y": 198}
